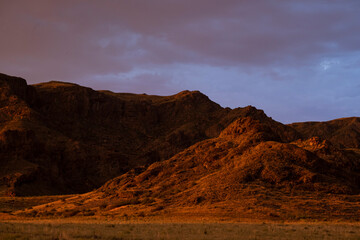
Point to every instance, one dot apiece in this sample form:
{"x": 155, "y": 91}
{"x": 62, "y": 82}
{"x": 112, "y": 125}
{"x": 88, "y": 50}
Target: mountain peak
{"x": 186, "y": 94}
{"x": 55, "y": 84}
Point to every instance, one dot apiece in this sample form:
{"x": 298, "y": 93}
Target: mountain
{"x": 343, "y": 132}
{"x": 171, "y": 156}
{"x": 251, "y": 170}
{"x": 58, "y": 137}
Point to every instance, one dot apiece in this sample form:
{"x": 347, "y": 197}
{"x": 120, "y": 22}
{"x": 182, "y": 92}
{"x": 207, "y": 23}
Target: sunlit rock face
{"x": 248, "y": 169}
{"x": 248, "y": 152}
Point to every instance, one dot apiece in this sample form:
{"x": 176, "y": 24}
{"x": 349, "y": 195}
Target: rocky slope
{"x": 60, "y": 137}
{"x": 251, "y": 169}
{"x": 343, "y": 132}
{"x": 247, "y": 151}
{"x": 170, "y": 156}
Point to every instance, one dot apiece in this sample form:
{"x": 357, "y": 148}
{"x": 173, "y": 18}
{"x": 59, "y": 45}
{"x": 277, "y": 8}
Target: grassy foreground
{"x": 66, "y": 231}
{"x": 165, "y": 225}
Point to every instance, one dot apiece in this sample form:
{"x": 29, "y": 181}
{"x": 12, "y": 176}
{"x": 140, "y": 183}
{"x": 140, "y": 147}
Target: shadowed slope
{"x": 60, "y": 137}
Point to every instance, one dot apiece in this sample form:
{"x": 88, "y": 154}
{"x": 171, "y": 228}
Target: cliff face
{"x": 60, "y": 137}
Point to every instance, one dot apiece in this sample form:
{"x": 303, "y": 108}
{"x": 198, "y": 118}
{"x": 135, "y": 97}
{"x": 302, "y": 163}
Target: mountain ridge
{"x": 64, "y": 138}
{"x": 149, "y": 155}
{"x": 248, "y": 171}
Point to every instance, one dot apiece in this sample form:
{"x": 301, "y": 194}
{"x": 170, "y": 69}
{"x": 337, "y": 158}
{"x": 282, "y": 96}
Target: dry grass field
{"x": 115, "y": 231}
{"x": 161, "y": 227}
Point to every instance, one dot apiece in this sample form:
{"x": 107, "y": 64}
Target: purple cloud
{"x": 271, "y": 54}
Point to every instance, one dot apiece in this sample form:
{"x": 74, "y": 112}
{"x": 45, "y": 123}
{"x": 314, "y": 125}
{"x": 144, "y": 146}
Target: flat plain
{"x": 54, "y": 230}
{"x": 169, "y": 225}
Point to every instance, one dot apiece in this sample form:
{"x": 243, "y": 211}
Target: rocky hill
{"x": 343, "y": 132}
{"x": 58, "y": 137}
{"x": 171, "y": 156}
{"x": 250, "y": 170}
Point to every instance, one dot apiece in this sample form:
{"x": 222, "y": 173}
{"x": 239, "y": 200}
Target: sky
{"x": 296, "y": 60}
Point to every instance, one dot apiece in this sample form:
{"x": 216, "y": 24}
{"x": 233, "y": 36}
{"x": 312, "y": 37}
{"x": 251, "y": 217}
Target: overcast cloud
{"x": 296, "y": 60}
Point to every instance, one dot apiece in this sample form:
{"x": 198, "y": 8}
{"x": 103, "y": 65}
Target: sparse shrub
{"x": 32, "y": 213}
{"x": 120, "y": 203}
{"x": 46, "y": 214}
{"x": 199, "y": 199}
{"x": 147, "y": 194}
{"x": 158, "y": 208}
{"x": 176, "y": 190}
{"x": 148, "y": 200}
{"x": 70, "y": 213}
{"x": 103, "y": 206}
{"x": 88, "y": 213}
{"x": 137, "y": 193}
{"x": 273, "y": 215}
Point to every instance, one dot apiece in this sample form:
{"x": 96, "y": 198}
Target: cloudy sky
{"x": 296, "y": 60}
